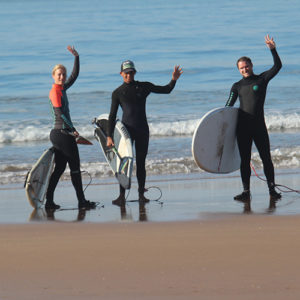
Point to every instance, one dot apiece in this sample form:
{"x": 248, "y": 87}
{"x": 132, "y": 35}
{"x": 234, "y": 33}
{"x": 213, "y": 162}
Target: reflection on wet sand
{"x": 43, "y": 214}
{"x": 272, "y": 206}
{"x": 246, "y": 206}
{"x": 127, "y": 216}
{"x": 142, "y": 212}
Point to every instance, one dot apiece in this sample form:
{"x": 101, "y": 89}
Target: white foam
{"x": 32, "y": 133}
{"x": 277, "y": 121}
{"x": 282, "y": 158}
{"x": 37, "y": 131}
{"x": 274, "y": 122}
{"x": 176, "y": 128}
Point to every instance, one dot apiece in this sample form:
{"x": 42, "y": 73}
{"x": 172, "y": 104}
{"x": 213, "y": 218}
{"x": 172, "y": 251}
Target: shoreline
{"x": 201, "y": 175}
{"x": 185, "y": 197}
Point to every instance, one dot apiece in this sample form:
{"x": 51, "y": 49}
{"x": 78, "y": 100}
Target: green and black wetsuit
{"x": 132, "y": 99}
{"x": 251, "y": 126}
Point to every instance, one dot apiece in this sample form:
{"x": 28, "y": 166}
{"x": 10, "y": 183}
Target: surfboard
{"x": 37, "y": 180}
{"x": 119, "y": 157}
{"x": 214, "y": 144}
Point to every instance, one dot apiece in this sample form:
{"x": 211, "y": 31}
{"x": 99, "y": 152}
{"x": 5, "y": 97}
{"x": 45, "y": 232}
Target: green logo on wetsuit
{"x": 255, "y": 88}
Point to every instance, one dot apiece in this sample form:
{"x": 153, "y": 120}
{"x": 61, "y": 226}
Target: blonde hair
{"x": 59, "y": 66}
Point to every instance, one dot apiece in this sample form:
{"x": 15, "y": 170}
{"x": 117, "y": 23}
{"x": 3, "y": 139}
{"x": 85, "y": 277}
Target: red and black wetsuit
{"x": 251, "y": 126}
{"x": 132, "y": 99}
{"x": 66, "y": 149}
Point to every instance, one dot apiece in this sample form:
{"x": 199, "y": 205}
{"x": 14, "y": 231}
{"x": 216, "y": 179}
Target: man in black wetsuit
{"x": 131, "y": 96}
{"x": 251, "y": 126}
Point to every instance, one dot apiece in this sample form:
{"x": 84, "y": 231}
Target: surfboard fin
{"x": 83, "y": 141}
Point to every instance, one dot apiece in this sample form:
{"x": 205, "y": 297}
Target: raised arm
{"x": 166, "y": 89}
{"x": 75, "y": 71}
{"x": 277, "y": 62}
{"x": 270, "y": 42}
{"x": 176, "y": 73}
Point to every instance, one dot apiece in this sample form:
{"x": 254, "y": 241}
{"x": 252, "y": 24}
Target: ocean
{"x": 204, "y": 37}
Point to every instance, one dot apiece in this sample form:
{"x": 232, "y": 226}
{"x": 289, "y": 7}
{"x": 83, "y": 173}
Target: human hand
{"x": 270, "y": 42}
{"x": 109, "y": 142}
{"x": 176, "y": 73}
{"x": 76, "y": 133}
{"x": 72, "y": 50}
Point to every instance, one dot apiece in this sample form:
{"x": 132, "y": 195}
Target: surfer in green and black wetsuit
{"x": 251, "y": 91}
{"x": 131, "y": 96}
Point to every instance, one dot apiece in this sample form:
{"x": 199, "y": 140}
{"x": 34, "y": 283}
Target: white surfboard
{"x": 214, "y": 145}
{"x": 119, "y": 157}
{"x": 37, "y": 180}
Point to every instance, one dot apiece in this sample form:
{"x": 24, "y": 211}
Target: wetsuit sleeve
{"x": 268, "y": 75}
{"x": 113, "y": 114}
{"x": 74, "y": 74}
{"x": 55, "y": 98}
{"x": 165, "y": 89}
{"x": 232, "y": 96}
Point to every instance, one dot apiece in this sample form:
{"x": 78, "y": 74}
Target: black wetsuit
{"x": 66, "y": 149}
{"x": 132, "y": 98}
{"x": 251, "y": 126}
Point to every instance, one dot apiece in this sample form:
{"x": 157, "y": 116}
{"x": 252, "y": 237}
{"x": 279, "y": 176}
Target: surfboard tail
{"x": 124, "y": 180}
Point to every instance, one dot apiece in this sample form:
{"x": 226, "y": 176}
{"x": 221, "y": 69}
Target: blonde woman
{"x": 63, "y": 135}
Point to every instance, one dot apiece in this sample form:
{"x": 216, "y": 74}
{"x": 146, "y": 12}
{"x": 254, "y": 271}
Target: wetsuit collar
{"x": 249, "y": 78}
{"x": 130, "y": 83}
{"x": 57, "y": 86}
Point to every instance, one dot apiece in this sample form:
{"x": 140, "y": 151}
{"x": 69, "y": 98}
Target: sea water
{"x": 204, "y": 37}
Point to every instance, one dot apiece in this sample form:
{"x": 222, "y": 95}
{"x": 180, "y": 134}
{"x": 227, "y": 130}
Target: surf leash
{"x": 91, "y": 179}
{"x": 160, "y": 193}
{"x": 280, "y": 187}
{"x": 97, "y": 203}
{"x": 151, "y": 200}
{"x": 127, "y": 195}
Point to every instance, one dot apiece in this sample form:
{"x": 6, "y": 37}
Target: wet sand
{"x": 241, "y": 257}
{"x": 186, "y": 197}
{"x": 199, "y": 244}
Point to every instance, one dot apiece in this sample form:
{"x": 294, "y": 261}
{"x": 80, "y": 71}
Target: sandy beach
{"x": 198, "y": 244}
{"x": 242, "y": 257}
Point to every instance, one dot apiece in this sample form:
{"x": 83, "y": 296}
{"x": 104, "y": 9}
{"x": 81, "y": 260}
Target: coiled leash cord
{"x": 152, "y": 200}
{"x": 280, "y": 187}
{"x": 91, "y": 179}
{"x": 146, "y": 190}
